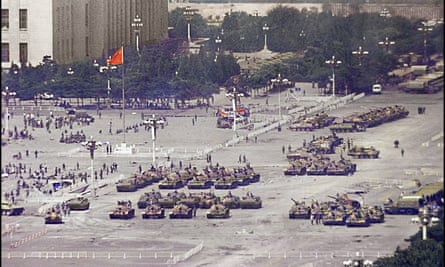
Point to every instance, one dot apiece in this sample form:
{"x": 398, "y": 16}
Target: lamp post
{"x": 333, "y": 62}
{"x": 279, "y": 82}
{"x": 137, "y": 25}
{"x": 425, "y": 29}
{"x": 154, "y": 123}
{"x": 265, "y": 29}
{"x": 7, "y": 94}
{"x": 234, "y": 96}
{"x": 385, "y": 13}
{"x": 188, "y": 14}
{"x": 218, "y": 42}
{"x": 91, "y": 145}
{"x": 387, "y": 43}
{"x": 360, "y": 53}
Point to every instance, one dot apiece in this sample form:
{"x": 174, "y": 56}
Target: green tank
{"x": 123, "y": 210}
{"x": 148, "y": 197}
{"x": 250, "y": 201}
{"x": 231, "y": 201}
{"x": 375, "y": 214}
{"x": 358, "y": 218}
{"x": 171, "y": 199}
{"x": 11, "y": 209}
{"x": 361, "y": 152}
{"x": 191, "y": 200}
{"x": 207, "y": 200}
{"x": 181, "y": 211}
{"x": 126, "y": 185}
{"x": 298, "y": 210}
{"x": 218, "y": 211}
{"x": 53, "y": 216}
{"x": 78, "y": 203}
{"x": 153, "y": 211}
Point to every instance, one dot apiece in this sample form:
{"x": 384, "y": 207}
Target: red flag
{"x": 118, "y": 57}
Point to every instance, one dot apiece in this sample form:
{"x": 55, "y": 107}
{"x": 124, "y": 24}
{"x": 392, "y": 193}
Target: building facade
{"x": 75, "y": 30}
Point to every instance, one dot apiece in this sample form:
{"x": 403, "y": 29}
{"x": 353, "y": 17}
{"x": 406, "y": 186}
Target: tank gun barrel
{"x": 296, "y": 203}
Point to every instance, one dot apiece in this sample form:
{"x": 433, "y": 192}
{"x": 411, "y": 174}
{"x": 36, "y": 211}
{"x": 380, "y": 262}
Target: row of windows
{"x": 23, "y": 52}
{"x": 23, "y": 19}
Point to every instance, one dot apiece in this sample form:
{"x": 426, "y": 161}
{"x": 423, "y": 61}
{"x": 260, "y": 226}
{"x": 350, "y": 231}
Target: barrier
{"x": 28, "y": 238}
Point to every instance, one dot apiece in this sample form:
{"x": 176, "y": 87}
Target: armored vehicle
{"x": 126, "y": 185}
{"x": 299, "y": 210}
{"x": 181, "y": 211}
{"x": 148, "y": 197}
{"x": 297, "y": 154}
{"x": 78, "y": 203}
{"x": 345, "y": 201}
{"x": 53, "y": 216}
{"x": 404, "y": 205}
{"x": 207, "y": 200}
{"x": 296, "y": 168}
{"x": 334, "y": 217}
{"x": 361, "y": 152}
{"x": 375, "y": 214}
{"x": 218, "y": 211}
{"x": 171, "y": 199}
{"x": 171, "y": 184}
{"x": 358, "y": 218}
{"x": 11, "y": 209}
{"x": 346, "y": 127}
{"x": 341, "y": 167}
{"x": 231, "y": 201}
{"x": 250, "y": 201}
{"x": 226, "y": 182}
{"x": 153, "y": 211}
{"x": 123, "y": 210}
{"x": 191, "y": 200}
{"x": 200, "y": 181}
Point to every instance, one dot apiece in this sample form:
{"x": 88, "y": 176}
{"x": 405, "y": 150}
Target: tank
{"x": 11, "y": 209}
{"x": 78, "y": 203}
{"x": 358, "y": 218}
{"x": 126, "y": 185}
{"x": 53, "y": 216}
{"x": 340, "y": 168}
{"x": 295, "y": 168}
{"x": 346, "y": 127}
{"x": 302, "y": 125}
{"x": 181, "y": 211}
{"x": 250, "y": 201}
{"x": 226, "y": 182}
{"x": 336, "y": 216}
{"x": 200, "y": 182}
{"x": 344, "y": 201}
{"x": 153, "y": 211}
{"x": 171, "y": 184}
{"x": 218, "y": 211}
{"x": 375, "y": 214}
{"x": 123, "y": 210}
{"x": 253, "y": 176}
{"x": 298, "y": 210}
{"x": 148, "y": 197}
{"x": 171, "y": 199}
{"x": 191, "y": 200}
{"x": 207, "y": 200}
{"x": 231, "y": 201}
{"x": 360, "y": 152}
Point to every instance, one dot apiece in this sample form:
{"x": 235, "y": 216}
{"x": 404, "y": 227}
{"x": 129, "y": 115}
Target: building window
{"x": 23, "y": 53}
{"x": 5, "y": 19}
{"x": 5, "y": 52}
{"x": 23, "y": 14}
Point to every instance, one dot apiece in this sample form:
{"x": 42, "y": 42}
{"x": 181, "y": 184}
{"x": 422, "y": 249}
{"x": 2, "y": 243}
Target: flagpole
{"x": 123, "y": 93}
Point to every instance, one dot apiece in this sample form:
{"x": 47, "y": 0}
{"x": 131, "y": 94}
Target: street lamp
{"x": 265, "y": 29}
{"x": 279, "y": 81}
{"x": 91, "y": 146}
{"x": 387, "y": 43}
{"x": 234, "y": 96}
{"x": 188, "y": 14}
{"x": 7, "y": 94}
{"x": 333, "y": 62}
{"x": 70, "y": 71}
{"x": 218, "y": 42}
{"x": 425, "y": 29}
{"x": 154, "y": 123}
{"x": 360, "y": 53}
{"x": 385, "y": 13}
{"x": 137, "y": 25}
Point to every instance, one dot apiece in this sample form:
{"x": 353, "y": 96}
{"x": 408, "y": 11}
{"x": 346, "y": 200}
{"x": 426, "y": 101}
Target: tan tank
{"x": 181, "y": 211}
{"x": 218, "y": 211}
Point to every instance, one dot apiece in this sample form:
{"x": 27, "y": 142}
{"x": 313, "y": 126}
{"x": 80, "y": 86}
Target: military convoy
{"x": 372, "y": 118}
